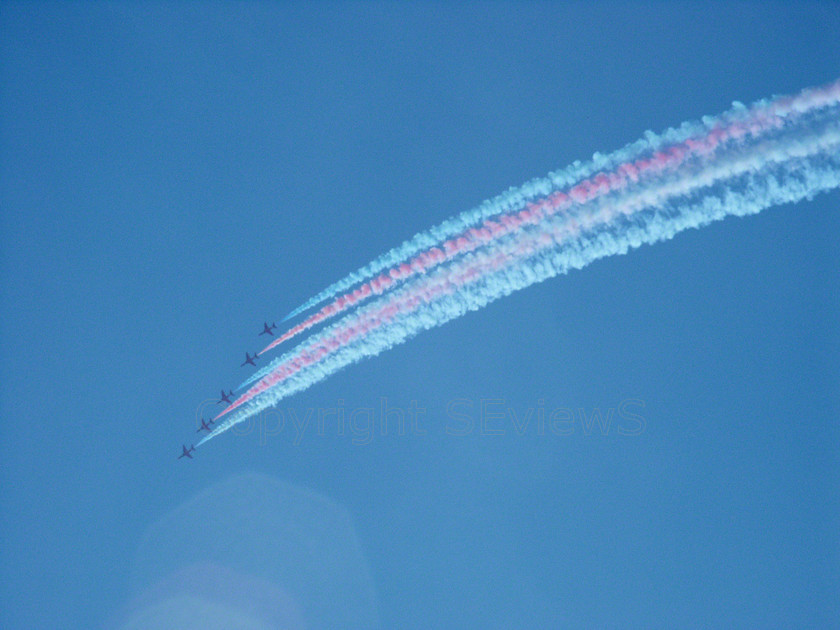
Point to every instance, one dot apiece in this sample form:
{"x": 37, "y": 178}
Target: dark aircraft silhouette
{"x": 186, "y": 452}
{"x": 225, "y": 397}
{"x": 204, "y": 426}
{"x": 249, "y": 359}
{"x": 267, "y": 329}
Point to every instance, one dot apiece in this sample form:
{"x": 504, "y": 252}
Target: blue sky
{"x": 173, "y": 175}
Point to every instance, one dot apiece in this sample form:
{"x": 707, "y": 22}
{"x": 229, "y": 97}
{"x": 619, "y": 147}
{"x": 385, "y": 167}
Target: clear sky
{"x": 173, "y": 175}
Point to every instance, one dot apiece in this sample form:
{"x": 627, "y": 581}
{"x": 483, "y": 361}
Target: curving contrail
{"x": 660, "y": 153}
{"x": 777, "y": 151}
{"x": 689, "y": 134}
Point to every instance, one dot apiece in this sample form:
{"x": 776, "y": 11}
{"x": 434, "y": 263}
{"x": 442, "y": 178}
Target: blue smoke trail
{"x": 799, "y": 160}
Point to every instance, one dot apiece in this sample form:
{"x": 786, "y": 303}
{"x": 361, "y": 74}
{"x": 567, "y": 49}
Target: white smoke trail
{"x": 517, "y": 198}
{"x": 797, "y": 165}
{"x": 653, "y": 195}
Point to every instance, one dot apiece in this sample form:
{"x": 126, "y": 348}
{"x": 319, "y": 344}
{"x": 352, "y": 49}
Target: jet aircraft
{"x": 226, "y": 397}
{"x": 249, "y": 359}
{"x": 204, "y": 426}
{"x": 267, "y": 329}
{"x": 186, "y": 452}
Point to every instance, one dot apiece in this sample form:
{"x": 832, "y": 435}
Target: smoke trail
{"x": 726, "y": 130}
{"x": 517, "y": 198}
{"x": 564, "y": 234}
{"x": 800, "y": 160}
{"x": 680, "y": 161}
{"x": 625, "y": 175}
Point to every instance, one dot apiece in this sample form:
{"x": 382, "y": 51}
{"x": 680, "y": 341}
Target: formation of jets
{"x": 206, "y": 425}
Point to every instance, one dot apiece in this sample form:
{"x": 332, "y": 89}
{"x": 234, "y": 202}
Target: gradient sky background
{"x": 172, "y": 175}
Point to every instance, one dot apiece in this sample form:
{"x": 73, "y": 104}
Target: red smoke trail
{"x": 427, "y": 300}
{"x": 449, "y": 281}
{"x": 423, "y": 293}
{"x": 584, "y": 192}
{"x": 366, "y": 324}
{"x": 431, "y": 288}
